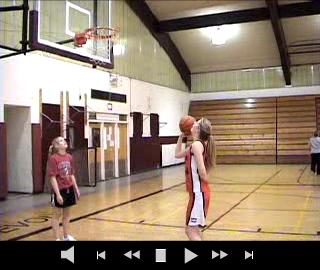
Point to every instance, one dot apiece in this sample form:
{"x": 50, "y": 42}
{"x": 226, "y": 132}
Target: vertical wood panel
{"x": 289, "y": 128}
{"x": 36, "y": 159}
{"x": 244, "y": 129}
{"x": 261, "y": 130}
{"x": 62, "y": 125}
{"x": 3, "y": 162}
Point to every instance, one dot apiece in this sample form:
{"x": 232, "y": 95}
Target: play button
{"x": 189, "y": 255}
{"x": 248, "y": 255}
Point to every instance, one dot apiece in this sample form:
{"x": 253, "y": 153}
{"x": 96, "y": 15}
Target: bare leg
{"x": 193, "y": 233}
{"x": 55, "y": 222}
{"x": 65, "y": 221}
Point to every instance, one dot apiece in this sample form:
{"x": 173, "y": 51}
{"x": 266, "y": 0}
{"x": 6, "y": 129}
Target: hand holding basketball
{"x": 186, "y": 123}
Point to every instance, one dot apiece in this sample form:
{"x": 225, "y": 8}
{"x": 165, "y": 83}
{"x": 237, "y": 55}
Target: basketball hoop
{"x": 95, "y": 33}
{"x": 98, "y": 42}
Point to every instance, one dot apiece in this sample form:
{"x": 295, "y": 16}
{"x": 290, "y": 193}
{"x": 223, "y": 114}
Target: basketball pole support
{"x": 61, "y": 115}
{"x": 86, "y": 121}
{"x": 68, "y": 122}
{"x": 40, "y": 109}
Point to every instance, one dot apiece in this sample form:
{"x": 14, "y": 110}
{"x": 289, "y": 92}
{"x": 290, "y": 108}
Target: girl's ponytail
{"x": 210, "y": 154}
{"x": 50, "y": 152}
{"x": 210, "y": 149}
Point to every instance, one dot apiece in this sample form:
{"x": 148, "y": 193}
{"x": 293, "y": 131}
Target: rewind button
{"x": 129, "y": 254}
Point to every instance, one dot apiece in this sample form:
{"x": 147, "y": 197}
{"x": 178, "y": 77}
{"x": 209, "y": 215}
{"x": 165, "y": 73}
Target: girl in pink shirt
{"x": 64, "y": 185}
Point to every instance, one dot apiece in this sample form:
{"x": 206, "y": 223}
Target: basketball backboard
{"x": 55, "y": 23}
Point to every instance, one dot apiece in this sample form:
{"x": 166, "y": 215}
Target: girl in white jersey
{"x": 314, "y": 144}
{"x": 199, "y": 159}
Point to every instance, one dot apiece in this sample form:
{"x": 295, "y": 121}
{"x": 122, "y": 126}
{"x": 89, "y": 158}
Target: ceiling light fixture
{"x": 219, "y": 35}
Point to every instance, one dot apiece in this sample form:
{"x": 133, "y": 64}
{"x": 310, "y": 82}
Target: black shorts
{"x": 68, "y": 196}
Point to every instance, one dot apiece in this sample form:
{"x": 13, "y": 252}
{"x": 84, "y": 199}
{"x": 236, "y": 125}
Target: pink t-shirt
{"x": 62, "y": 167}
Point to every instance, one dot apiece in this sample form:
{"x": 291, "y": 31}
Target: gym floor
{"x": 248, "y": 202}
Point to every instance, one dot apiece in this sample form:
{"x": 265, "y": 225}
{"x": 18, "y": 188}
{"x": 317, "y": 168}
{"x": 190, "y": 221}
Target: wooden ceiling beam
{"x": 239, "y": 16}
{"x": 142, "y": 10}
{"x": 280, "y": 39}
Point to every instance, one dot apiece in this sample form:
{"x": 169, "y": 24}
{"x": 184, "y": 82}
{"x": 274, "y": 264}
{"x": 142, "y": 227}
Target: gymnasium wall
{"x": 143, "y": 58}
{"x": 261, "y": 129}
{"x": 3, "y": 162}
{"x": 19, "y": 149}
{"x": 17, "y": 82}
{"x": 37, "y": 173}
{"x": 54, "y": 74}
{"x": 296, "y": 123}
{"x": 3, "y": 154}
{"x": 245, "y": 130}
{"x": 20, "y": 86}
{"x": 59, "y": 76}
{"x": 170, "y": 106}
{"x": 250, "y": 79}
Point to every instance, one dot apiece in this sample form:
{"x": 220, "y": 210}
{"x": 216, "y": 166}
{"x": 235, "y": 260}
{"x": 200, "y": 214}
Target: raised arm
{"x": 179, "y": 153}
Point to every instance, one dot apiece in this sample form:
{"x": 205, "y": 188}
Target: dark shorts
{"x": 68, "y": 196}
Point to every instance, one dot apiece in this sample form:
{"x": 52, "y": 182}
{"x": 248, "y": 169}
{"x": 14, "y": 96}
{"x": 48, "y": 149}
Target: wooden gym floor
{"x": 249, "y": 202}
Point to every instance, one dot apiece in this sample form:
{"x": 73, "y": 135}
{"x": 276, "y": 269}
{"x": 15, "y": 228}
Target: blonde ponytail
{"x": 210, "y": 154}
{"x": 50, "y": 152}
{"x": 210, "y": 148}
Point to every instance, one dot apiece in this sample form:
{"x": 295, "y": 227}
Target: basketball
{"x": 186, "y": 124}
{"x": 80, "y": 39}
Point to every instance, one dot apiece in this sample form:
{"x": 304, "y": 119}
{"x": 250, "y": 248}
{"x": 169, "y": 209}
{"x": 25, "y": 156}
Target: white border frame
{"x": 80, "y": 9}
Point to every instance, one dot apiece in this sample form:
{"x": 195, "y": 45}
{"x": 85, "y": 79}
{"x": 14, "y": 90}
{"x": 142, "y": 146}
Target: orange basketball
{"x": 186, "y": 124}
{"x": 80, "y": 39}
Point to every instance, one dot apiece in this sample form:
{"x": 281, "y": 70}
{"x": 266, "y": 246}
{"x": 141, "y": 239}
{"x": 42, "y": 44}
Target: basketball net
{"x": 98, "y": 41}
